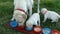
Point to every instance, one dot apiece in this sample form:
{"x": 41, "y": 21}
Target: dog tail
{"x": 38, "y": 11}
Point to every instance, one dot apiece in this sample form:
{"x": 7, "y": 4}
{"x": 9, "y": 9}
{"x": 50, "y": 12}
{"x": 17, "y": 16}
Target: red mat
{"x": 22, "y": 29}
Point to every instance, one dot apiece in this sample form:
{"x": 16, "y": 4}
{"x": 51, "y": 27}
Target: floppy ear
{"x": 24, "y": 16}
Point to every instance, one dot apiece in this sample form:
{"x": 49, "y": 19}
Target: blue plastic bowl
{"x": 46, "y": 31}
{"x": 13, "y": 24}
{"x": 29, "y": 28}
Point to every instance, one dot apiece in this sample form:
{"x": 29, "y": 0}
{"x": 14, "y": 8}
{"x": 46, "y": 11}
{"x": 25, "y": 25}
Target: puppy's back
{"x": 34, "y": 17}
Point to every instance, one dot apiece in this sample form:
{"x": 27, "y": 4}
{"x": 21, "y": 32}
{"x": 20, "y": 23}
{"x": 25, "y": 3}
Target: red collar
{"x": 21, "y": 10}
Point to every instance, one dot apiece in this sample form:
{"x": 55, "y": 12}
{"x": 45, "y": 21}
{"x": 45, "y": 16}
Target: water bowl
{"x": 37, "y": 29}
{"x": 46, "y": 31}
{"x": 29, "y": 28}
{"x": 13, "y": 24}
{"x": 55, "y": 32}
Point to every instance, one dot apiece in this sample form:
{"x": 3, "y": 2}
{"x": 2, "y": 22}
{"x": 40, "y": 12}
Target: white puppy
{"x": 33, "y": 20}
{"x": 20, "y": 17}
{"x": 25, "y": 5}
{"x": 20, "y": 10}
{"x": 50, "y": 15}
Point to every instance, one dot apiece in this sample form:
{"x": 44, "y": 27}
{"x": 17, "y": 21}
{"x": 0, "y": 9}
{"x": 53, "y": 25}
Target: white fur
{"x": 18, "y": 15}
{"x": 50, "y": 15}
{"x": 33, "y": 20}
{"x": 25, "y": 5}
{"x": 30, "y": 4}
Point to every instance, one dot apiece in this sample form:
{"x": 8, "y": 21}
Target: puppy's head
{"x": 20, "y": 16}
{"x": 43, "y": 10}
{"x": 29, "y": 24}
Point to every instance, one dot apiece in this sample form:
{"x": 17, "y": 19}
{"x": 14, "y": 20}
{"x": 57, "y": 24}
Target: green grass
{"x": 6, "y": 12}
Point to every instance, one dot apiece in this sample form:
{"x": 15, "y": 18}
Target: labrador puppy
{"x": 27, "y": 4}
{"x": 50, "y": 15}
{"x": 20, "y": 10}
{"x": 33, "y": 20}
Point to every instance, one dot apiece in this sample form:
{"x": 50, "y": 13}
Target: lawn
{"x": 6, "y": 12}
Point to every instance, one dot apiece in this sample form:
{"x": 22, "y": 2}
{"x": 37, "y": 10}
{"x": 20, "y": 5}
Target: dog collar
{"x": 21, "y": 10}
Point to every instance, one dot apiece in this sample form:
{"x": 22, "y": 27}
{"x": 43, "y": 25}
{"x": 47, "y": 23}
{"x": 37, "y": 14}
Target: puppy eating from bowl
{"x": 20, "y": 10}
{"x": 50, "y": 15}
{"x": 33, "y": 20}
